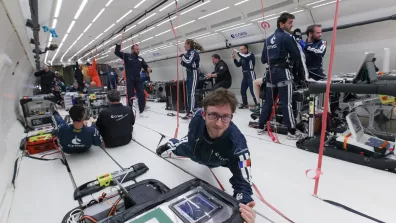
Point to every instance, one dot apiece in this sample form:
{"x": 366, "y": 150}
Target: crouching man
{"x": 76, "y": 137}
{"x": 115, "y": 124}
{"x": 213, "y": 140}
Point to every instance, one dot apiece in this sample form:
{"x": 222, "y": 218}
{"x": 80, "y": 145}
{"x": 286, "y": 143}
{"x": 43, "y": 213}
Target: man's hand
{"x": 233, "y": 56}
{"x": 247, "y": 212}
{"x": 182, "y": 55}
{"x": 209, "y": 75}
{"x": 149, "y": 70}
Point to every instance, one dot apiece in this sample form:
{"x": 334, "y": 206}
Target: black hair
{"x": 77, "y": 113}
{"x": 283, "y": 18}
{"x": 113, "y": 96}
{"x": 244, "y": 45}
{"x": 311, "y": 28}
{"x": 217, "y": 56}
{"x": 133, "y": 46}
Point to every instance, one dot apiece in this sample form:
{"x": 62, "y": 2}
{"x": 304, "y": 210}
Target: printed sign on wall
{"x": 240, "y": 34}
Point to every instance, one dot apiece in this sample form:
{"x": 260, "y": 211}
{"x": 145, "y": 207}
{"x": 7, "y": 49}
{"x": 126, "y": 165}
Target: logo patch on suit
{"x": 273, "y": 40}
{"x": 239, "y": 196}
{"x": 140, "y": 59}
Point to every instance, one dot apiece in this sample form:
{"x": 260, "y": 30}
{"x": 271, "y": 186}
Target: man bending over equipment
{"x": 115, "y": 124}
{"x": 76, "y": 137}
{"x": 213, "y": 140}
{"x": 221, "y": 73}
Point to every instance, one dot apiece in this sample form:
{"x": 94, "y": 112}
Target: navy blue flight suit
{"x": 133, "y": 65}
{"x": 247, "y": 61}
{"x": 279, "y": 78}
{"x": 314, "y": 53}
{"x": 190, "y": 61}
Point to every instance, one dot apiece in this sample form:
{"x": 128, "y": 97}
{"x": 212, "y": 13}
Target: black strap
{"x": 32, "y": 157}
{"x": 171, "y": 114}
{"x": 353, "y": 211}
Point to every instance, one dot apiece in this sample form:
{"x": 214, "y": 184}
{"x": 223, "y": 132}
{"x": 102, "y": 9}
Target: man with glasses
{"x": 214, "y": 140}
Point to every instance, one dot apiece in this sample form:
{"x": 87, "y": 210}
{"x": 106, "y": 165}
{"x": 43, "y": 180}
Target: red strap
{"x": 218, "y": 181}
{"x": 269, "y": 205}
{"x": 274, "y": 138}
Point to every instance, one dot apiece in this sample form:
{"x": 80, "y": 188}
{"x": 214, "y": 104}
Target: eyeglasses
{"x": 215, "y": 117}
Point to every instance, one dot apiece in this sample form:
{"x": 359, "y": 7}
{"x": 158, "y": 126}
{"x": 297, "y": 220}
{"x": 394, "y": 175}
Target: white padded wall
{"x": 16, "y": 80}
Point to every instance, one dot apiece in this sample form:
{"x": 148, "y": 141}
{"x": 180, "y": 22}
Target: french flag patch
{"x": 244, "y": 161}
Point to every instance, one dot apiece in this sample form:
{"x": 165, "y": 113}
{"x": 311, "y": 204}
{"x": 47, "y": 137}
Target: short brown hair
{"x": 311, "y": 28}
{"x": 221, "y": 96}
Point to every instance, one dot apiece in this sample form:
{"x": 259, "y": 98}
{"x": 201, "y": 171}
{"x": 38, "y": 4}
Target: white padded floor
{"x": 44, "y": 190}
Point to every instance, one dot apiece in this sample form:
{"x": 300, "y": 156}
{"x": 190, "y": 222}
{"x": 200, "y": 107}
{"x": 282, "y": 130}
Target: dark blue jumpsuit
{"x": 247, "y": 61}
{"x": 279, "y": 78}
{"x": 190, "y": 61}
{"x": 314, "y": 53}
{"x": 133, "y": 65}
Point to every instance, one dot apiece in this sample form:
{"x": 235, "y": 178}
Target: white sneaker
{"x": 298, "y": 135}
{"x": 260, "y": 131}
{"x": 141, "y": 115}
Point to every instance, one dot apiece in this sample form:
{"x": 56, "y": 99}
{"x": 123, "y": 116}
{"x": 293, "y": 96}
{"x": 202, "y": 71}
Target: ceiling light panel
{"x": 109, "y": 2}
{"x": 166, "y": 6}
{"x": 229, "y": 27}
{"x": 312, "y": 3}
{"x": 71, "y": 26}
{"x": 80, "y": 9}
{"x": 206, "y": 36}
{"x": 200, "y": 35}
{"x": 184, "y": 24}
{"x": 65, "y": 37}
{"x": 90, "y": 24}
{"x": 58, "y": 7}
{"x": 327, "y": 3}
{"x": 264, "y": 17}
{"x": 295, "y": 12}
{"x": 115, "y": 37}
{"x": 146, "y": 30}
{"x": 159, "y": 34}
{"x": 97, "y": 16}
{"x": 124, "y": 16}
{"x": 194, "y": 7}
{"x": 241, "y": 2}
{"x": 220, "y": 10}
{"x": 130, "y": 28}
{"x": 141, "y": 2}
{"x": 54, "y": 23}
{"x": 146, "y": 39}
{"x": 99, "y": 36}
{"x": 109, "y": 27}
{"x": 174, "y": 17}
{"x": 147, "y": 18}
{"x": 236, "y": 27}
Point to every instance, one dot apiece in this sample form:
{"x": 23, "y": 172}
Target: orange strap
{"x": 346, "y": 140}
{"x": 384, "y": 145}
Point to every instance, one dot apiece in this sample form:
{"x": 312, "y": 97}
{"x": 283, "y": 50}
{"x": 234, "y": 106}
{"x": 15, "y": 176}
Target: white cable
{"x": 73, "y": 218}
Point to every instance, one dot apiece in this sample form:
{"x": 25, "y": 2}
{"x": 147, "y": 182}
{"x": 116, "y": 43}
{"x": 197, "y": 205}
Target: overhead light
{"x": 206, "y": 36}
{"x": 124, "y": 16}
{"x": 138, "y": 42}
{"x": 213, "y": 13}
{"x": 174, "y": 17}
{"x": 135, "y": 36}
{"x": 58, "y": 7}
{"x": 241, "y": 2}
{"x": 98, "y": 36}
{"x": 91, "y": 42}
{"x": 312, "y": 3}
{"x": 109, "y": 27}
{"x": 126, "y": 47}
{"x": 230, "y": 27}
{"x": 130, "y": 28}
{"x": 83, "y": 3}
{"x": 64, "y": 38}
{"x": 54, "y": 23}
{"x": 166, "y": 6}
{"x": 147, "y": 18}
{"x": 327, "y": 3}
{"x": 139, "y": 3}
{"x": 268, "y": 19}
{"x": 296, "y": 12}
{"x": 90, "y": 24}
{"x": 194, "y": 7}
{"x": 108, "y": 3}
{"x": 184, "y": 24}
{"x": 200, "y": 35}
{"x": 236, "y": 27}
{"x": 159, "y": 34}
{"x": 80, "y": 36}
{"x": 146, "y": 30}
{"x": 71, "y": 26}
{"x": 46, "y": 56}
{"x": 146, "y": 39}
{"x": 113, "y": 38}
{"x": 263, "y": 17}
{"x": 97, "y": 16}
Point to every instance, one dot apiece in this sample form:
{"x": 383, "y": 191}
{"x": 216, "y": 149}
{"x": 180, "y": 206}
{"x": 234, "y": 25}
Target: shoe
{"x": 242, "y": 106}
{"x": 255, "y": 109}
{"x": 147, "y": 108}
{"x": 141, "y": 115}
{"x": 296, "y": 136}
{"x": 162, "y": 148}
{"x": 188, "y": 116}
{"x": 260, "y": 131}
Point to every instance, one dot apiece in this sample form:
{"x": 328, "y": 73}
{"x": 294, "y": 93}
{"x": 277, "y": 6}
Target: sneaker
{"x": 242, "y": 106}
{"x": 162, "y": 148}
{"x": 255, "y": 109}
{"x": 297, "y": 136}
{"x": 188, "y": 116}
{"x": 141, "y": 115}
{"x": 260, "y": 131}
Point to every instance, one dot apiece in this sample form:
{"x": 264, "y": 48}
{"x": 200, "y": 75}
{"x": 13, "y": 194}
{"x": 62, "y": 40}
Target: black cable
{"x": 112, "y": 158}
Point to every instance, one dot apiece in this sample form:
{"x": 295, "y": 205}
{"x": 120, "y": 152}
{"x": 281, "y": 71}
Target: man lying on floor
{"x": 76, "y": 137}
{"x": 213, "y": 140}
{"x": 115, "y": 124}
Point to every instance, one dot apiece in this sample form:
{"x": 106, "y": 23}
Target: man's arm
{"x": 264, "y": 55}
{"x": 145, "y": 66}
{"x": 241, "y": 175}
{"x": 253, "y": 58}
{"x": 292, "y": 48}
{"x": 237, "y": 63}
{"x": 256, "y": 87}
{"x": 118, "y": 52}
{"x": 38, "y": 73}
{"x": 97, "y": 139}
{"x": 99, "y": 122}
{"x": 222, "y": 70}
{"x": 319, "y": 49}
